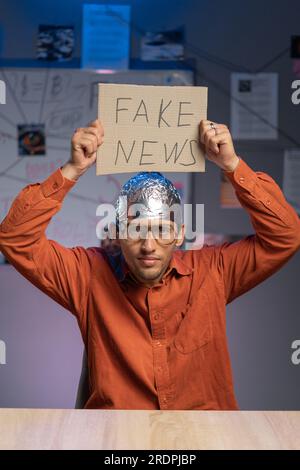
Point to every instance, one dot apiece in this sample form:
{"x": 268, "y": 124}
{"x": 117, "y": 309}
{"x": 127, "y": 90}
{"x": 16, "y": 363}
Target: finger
{"x": 81, "y": 136}
{"x": 217, "y": 140}
{"x": 204, "y": 122}
{"x": 78, "y": 129}
{"x": 85, "y": 135}
{"x": 208, "y": 134}
{"x": 209, "y": 141}
{"x": 206, "y": 126}
{"x": 218, "y": 129}
{"x": 91, "y": 145}
{"x": 95, "y": 133}
{"x": 202, "y": 128}
{"x": 98, "y": 125}
{"x": 87, "y": 144}
{"x": 93, "y": 157}
{"x": 221, "y": 128}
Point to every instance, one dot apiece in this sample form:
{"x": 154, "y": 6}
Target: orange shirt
{"x": 163, "y": 347}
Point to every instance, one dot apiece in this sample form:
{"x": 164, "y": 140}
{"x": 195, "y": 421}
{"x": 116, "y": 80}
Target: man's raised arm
{"x": 244, "y": 264}
{"x": 61, "y": 272}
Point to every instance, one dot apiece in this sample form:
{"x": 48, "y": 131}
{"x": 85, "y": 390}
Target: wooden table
{"x": 150, "y": 430}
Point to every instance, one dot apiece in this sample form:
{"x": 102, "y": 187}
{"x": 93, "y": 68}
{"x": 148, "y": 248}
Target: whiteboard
{"x": 62, "y": 100}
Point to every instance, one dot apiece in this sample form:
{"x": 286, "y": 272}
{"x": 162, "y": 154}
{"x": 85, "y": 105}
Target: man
{"x": 152, "y": 318}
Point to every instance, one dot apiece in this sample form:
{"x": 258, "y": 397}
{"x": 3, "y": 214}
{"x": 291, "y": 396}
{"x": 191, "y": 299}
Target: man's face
{"x": 149, "y": 248}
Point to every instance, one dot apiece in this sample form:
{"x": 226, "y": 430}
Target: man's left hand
{"x": 217, "y": 144}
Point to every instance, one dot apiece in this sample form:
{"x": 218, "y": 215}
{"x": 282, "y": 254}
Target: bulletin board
{"x": 58, "y": 101}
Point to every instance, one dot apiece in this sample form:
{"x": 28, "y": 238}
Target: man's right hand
{"x": 84, "y": 145}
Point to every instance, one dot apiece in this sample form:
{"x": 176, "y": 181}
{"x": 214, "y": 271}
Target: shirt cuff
{"x": 57, "y": 185}
{"x": 242, "y": 177}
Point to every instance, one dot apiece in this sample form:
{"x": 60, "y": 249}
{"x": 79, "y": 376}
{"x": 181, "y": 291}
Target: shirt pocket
{"x": 195, "y": 330}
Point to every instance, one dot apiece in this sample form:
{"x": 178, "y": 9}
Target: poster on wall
{"x": 163, "y": 45}
{"x": 105, "y": 37}
{"x": 254, "y": 106}
{"x": 55, "y": 43}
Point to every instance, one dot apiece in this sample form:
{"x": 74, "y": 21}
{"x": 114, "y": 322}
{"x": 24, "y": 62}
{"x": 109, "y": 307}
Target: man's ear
{"x": 180, "y": 238}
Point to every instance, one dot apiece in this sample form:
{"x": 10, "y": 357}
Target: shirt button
{"x": 55, "y": 185}
{"x": 242, "y": 179}
{"x": 268, "y": 202}
{"x": 156, "y": 316}
{"x": 159, "y": 369}
{"x": 157, "y": 343}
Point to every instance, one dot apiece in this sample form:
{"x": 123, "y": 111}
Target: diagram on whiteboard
{"x": 43, "y": 108}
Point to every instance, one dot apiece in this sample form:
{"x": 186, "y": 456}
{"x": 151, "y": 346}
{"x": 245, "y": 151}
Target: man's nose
{"x": 149, "y": 243}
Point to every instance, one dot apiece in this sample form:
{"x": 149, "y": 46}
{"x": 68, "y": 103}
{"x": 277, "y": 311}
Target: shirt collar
{"x": 178, "y": 264}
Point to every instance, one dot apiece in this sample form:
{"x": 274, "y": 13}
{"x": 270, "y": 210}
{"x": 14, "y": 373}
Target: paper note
{"x": 254, "y": 106}
{"x": 105, "y": 37}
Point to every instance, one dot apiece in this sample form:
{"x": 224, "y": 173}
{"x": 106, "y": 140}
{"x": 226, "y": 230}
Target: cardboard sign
{"x": 150, "y": 128}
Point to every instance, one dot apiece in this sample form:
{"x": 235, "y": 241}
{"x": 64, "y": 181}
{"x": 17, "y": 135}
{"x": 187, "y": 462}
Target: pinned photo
{"x": 31, "y": 139}
{"x": 55, "y": 43}
{"x": 245, "y": 86}
{"x": 163, "y": 45}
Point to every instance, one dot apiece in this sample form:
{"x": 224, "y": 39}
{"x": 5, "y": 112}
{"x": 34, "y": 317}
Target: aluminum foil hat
{"x": 153, "y": 196}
